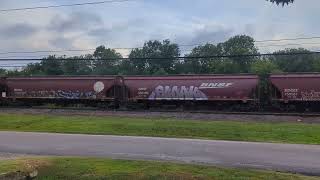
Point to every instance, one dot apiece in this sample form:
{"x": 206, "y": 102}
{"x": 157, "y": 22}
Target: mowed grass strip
{"x": 93, "y": 168}
{"x": 156, "y": 127}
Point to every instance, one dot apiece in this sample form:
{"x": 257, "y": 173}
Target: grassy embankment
{"x": 85, "y": 168}
{"x": 218, "y": 130}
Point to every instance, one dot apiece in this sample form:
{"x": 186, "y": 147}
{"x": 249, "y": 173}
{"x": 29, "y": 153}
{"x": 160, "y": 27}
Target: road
{"x": 281, "y": 157}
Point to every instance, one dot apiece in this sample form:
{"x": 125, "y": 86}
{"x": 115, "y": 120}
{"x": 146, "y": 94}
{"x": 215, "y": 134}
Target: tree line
{"x": 143, "y": 61}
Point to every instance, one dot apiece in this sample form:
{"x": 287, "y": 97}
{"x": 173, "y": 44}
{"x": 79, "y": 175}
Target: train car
{"x": 62, "y": 88}
{"x": 300, "y": 92}
{"x": 210, "y": 90}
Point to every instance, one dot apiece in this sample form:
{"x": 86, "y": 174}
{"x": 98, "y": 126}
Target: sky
{"x": 130, "y": 24}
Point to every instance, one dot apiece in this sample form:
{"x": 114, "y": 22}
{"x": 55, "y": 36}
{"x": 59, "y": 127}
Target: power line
{"x": 291, "y": 44}
{"x": 288, "y": 39}
{"x": 11, "y": 66}
{"x": 57, "y": 51}
{"x": 64, "y": 5}
{"x": 47, "y": 51}
{"x": 181, "y": 45}
{"x": 184, "y": 57}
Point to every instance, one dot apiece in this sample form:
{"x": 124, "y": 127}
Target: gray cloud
{"x": 130, "y": 24}
{"x": 75, "y": 21}
{"x": 117, "y": 28}
{"x": 17, "y": 31}
{"x": 62, "y": 42}
{"x": 212, "y": 35}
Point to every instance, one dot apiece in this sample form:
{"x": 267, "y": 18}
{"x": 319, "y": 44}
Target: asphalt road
{"x": 281, "y": 157}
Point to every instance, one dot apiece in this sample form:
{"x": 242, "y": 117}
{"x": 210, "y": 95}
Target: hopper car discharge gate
{"x": 120, "y": 92}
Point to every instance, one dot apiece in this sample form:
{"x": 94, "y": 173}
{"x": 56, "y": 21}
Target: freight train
{"x": 245, "y": 92}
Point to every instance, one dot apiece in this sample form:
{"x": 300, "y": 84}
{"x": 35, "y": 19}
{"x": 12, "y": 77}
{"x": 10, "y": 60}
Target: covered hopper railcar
{"x": 213, "y": 91}
{"x": 61, "y": 88}
{"x": 299, "y": 92}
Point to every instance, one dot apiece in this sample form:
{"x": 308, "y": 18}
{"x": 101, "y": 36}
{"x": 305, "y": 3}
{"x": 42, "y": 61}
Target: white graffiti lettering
{"x": 177, "y": 93}
{"x": 215, "y": 85}
{"x": 75, "y": 94}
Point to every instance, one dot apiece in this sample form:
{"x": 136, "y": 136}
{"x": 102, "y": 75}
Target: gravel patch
{"x": 174, "y": 115}
{"x": 9, "y": 156}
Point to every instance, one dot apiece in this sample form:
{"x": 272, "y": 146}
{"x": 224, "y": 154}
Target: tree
{"x": 106, "y": 61}
{"x": 3, "y": 72}
{"x": 237, "y": 45}
{"x": 240, "y": 45}
{"x": 294, "y": 63}
{"x": 51, "y": 65}
{"x": 78, "y": 65}
{"x": 264, "y": 66}
{"x": 160, "y": 72}
{"x": 202, "y": 65}
{"x": 283, "y": 2}
{"x": 33, "y": 69}
{"x": 154, "y": 49}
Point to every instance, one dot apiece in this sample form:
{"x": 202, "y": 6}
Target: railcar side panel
{"x": 193, "y": 87}
{"x": 296, "y": 87}
{"x": 59, "y": 87}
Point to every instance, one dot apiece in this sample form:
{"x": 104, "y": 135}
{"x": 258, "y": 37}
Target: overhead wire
{"x": 63, "y": 5}
{"x": 160, "y": 58}
{"x": 180, "y": 57}
{"x": 180, "y": 45}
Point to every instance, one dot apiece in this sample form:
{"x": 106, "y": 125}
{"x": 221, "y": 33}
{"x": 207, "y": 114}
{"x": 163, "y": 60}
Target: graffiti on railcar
{"x": 66, "y": 94}
{"x": 97, "y": 88}
{"x": 75, "y": 94}
{"x": 178, "y": 93}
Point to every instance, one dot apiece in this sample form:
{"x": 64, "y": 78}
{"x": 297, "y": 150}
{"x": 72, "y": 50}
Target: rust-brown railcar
{"x": 61, "y": 88}
{"x": 200, "y": 90}
{"x": 296, "y": 91}
{"x": 203, "y": 89}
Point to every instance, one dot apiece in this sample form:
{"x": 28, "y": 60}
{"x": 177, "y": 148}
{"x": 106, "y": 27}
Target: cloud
{"x": 213, "y": 34}
{"x": 17, "y": 31}
{"x": 76, "y": 21}
{"x": 62, "y": 43}
{"x": 130, "y": 24}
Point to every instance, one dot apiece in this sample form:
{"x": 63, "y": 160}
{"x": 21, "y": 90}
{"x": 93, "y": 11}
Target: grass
{"x": 219, "y": 130}
{"x": 92, "y": 168}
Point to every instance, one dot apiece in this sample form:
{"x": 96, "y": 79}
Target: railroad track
{"x": 167, "y": 111}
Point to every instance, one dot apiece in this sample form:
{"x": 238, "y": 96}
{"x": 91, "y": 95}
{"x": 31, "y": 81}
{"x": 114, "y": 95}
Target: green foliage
{"x": 294, "y": 63}
{"x": 237, "y": 45}
{"x": 202, "y": 65}
{"x": 264, "y": 67}
{"x": 283, "y": 2}
{"x": 105, "y": 61}
{"x": 153, "y": 49}
{"x": 51, "y": 66}
{"x": 81, "y": 65}
{"x": 160, "y": 71}
{"x": 3, "y": 72}
{"x": 240, "y": 45}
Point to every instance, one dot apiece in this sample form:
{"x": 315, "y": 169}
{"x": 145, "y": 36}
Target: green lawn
{"x": 91, "y": 168}
{"x": 219, "y": 130}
